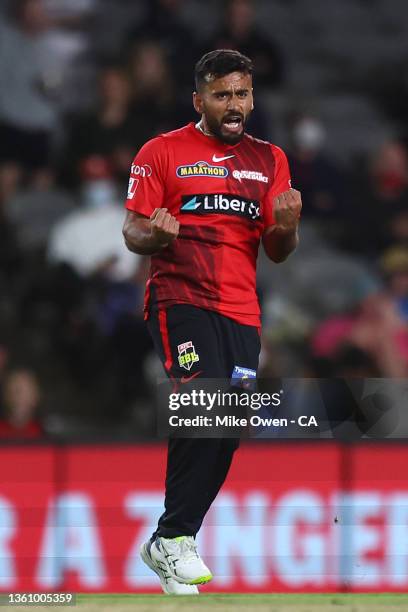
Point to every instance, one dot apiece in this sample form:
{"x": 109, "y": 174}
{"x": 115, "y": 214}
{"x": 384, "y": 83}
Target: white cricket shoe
{"x": 182, "y": 559}
{"x": 168, "y": 584}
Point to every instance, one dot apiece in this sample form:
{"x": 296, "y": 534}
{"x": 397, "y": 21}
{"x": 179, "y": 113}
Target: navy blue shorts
{"x": 192, "y": 342}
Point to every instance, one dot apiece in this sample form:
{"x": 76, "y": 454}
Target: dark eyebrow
{"x": 227, "y": 92}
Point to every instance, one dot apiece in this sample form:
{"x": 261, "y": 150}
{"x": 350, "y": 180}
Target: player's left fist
{"x": 286, "y": 210}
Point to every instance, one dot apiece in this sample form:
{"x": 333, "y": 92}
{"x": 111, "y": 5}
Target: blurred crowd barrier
{"x": 292, "y": 517}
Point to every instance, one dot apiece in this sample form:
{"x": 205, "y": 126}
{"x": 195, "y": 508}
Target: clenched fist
{"x": 164, "y": 227}
{"x": 286, "y": 209}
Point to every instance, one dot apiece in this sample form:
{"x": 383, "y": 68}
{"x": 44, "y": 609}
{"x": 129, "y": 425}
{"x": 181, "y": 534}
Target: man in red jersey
{"x": 200, "y": 200}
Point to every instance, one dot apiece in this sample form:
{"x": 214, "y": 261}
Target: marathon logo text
{"x": 201, "y": 168}
{"x": 226, "y": 204}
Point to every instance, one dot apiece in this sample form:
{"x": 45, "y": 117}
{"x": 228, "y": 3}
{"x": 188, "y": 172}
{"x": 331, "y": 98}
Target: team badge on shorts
{"x": 245, "y": 378}
{"x": 187, "y": 355}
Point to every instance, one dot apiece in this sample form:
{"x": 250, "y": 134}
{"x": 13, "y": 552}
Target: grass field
{"x": 230, "y": 603}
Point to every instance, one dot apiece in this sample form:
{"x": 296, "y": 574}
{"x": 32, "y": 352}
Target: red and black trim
{"x": 168, "y": 359}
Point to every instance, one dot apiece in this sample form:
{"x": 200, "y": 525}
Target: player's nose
{"x": 233, "y": 103}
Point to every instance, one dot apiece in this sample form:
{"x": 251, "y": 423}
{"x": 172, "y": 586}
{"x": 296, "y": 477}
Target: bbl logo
{"x": 187, "y": 355}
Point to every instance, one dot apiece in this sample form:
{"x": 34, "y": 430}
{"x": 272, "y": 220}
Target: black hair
{"x": 219, "y": 63}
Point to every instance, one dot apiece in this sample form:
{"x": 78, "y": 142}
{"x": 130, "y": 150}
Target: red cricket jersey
{"x": 222, "y": 195}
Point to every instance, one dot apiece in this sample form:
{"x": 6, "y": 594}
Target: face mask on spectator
{"x": 98, "y": 188}
{"x": 98, "y": 193}
{"x": 308, "y": 134}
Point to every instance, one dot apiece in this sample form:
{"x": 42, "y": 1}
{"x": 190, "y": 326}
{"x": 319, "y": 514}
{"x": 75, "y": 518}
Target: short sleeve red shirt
{"x": 222, "y": 195}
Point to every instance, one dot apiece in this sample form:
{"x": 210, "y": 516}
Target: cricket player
{"x": 200, "y": 201}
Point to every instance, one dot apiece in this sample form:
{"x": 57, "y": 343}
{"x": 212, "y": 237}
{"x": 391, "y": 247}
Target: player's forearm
{"x": 139, "y": 239}
{"x": 149, "y": 236}
{"x": 279, "y": 244}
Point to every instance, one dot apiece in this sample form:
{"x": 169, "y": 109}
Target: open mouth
{"x": 233, "y": 123}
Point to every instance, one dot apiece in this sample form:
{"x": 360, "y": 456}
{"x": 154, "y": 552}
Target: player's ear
{"x": 197, "y": 102}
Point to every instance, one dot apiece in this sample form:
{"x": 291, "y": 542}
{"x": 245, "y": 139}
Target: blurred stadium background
{"x": 83, "y": 84}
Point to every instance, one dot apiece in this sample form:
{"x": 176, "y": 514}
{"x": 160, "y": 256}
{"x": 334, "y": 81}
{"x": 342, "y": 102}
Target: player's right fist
{"x": 164, "y": 227}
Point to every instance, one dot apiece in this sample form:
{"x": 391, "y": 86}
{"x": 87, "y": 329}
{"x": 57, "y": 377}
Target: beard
{"x": 230, "y": 129}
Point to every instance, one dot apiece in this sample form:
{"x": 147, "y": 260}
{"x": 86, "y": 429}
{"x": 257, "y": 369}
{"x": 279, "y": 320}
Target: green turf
{"x": 253, "y": 599}
{"x": 383, "y": 602}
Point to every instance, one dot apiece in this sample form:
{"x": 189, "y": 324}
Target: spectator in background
{"x": 239, "y": 31}
{"x": 104, "y": 341}
{"x": 27, "y": 111}
{"x": 11, "y": 262}
{"x": 68, "y": 49}
{"x": 320, "y": 181}
{"x": 111, "y": 129}
{"x": 4, "y": 358}
{"x": 90, "y": 238}
{"x": 380, "y": 203}
{"x": 164, "y": 24}
{"x": 375, "y": 328}
{"x": 9, "y": 252}
{"x": 70, "y": 21}
{"x": 350, "y": 361}
{"x": 394, "y": 264}
{"x": 21, "y": 398}
{"x": 11, "y": 178}
{"x": 32, "y": 211}
{"x": 154, "y": 92}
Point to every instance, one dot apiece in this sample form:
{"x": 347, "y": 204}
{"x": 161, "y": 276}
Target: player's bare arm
{"x": 147, "y": 236}
{"x": 281, "y": 239}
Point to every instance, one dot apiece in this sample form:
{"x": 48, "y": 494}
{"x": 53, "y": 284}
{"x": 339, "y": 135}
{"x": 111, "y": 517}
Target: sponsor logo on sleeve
{"x": 201, "y": 168}
{"x": 142, "y": 171}
{"x": 219, "y": 203}
{"x": 137, "y": 172}
{"x": 133, "y": 183}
